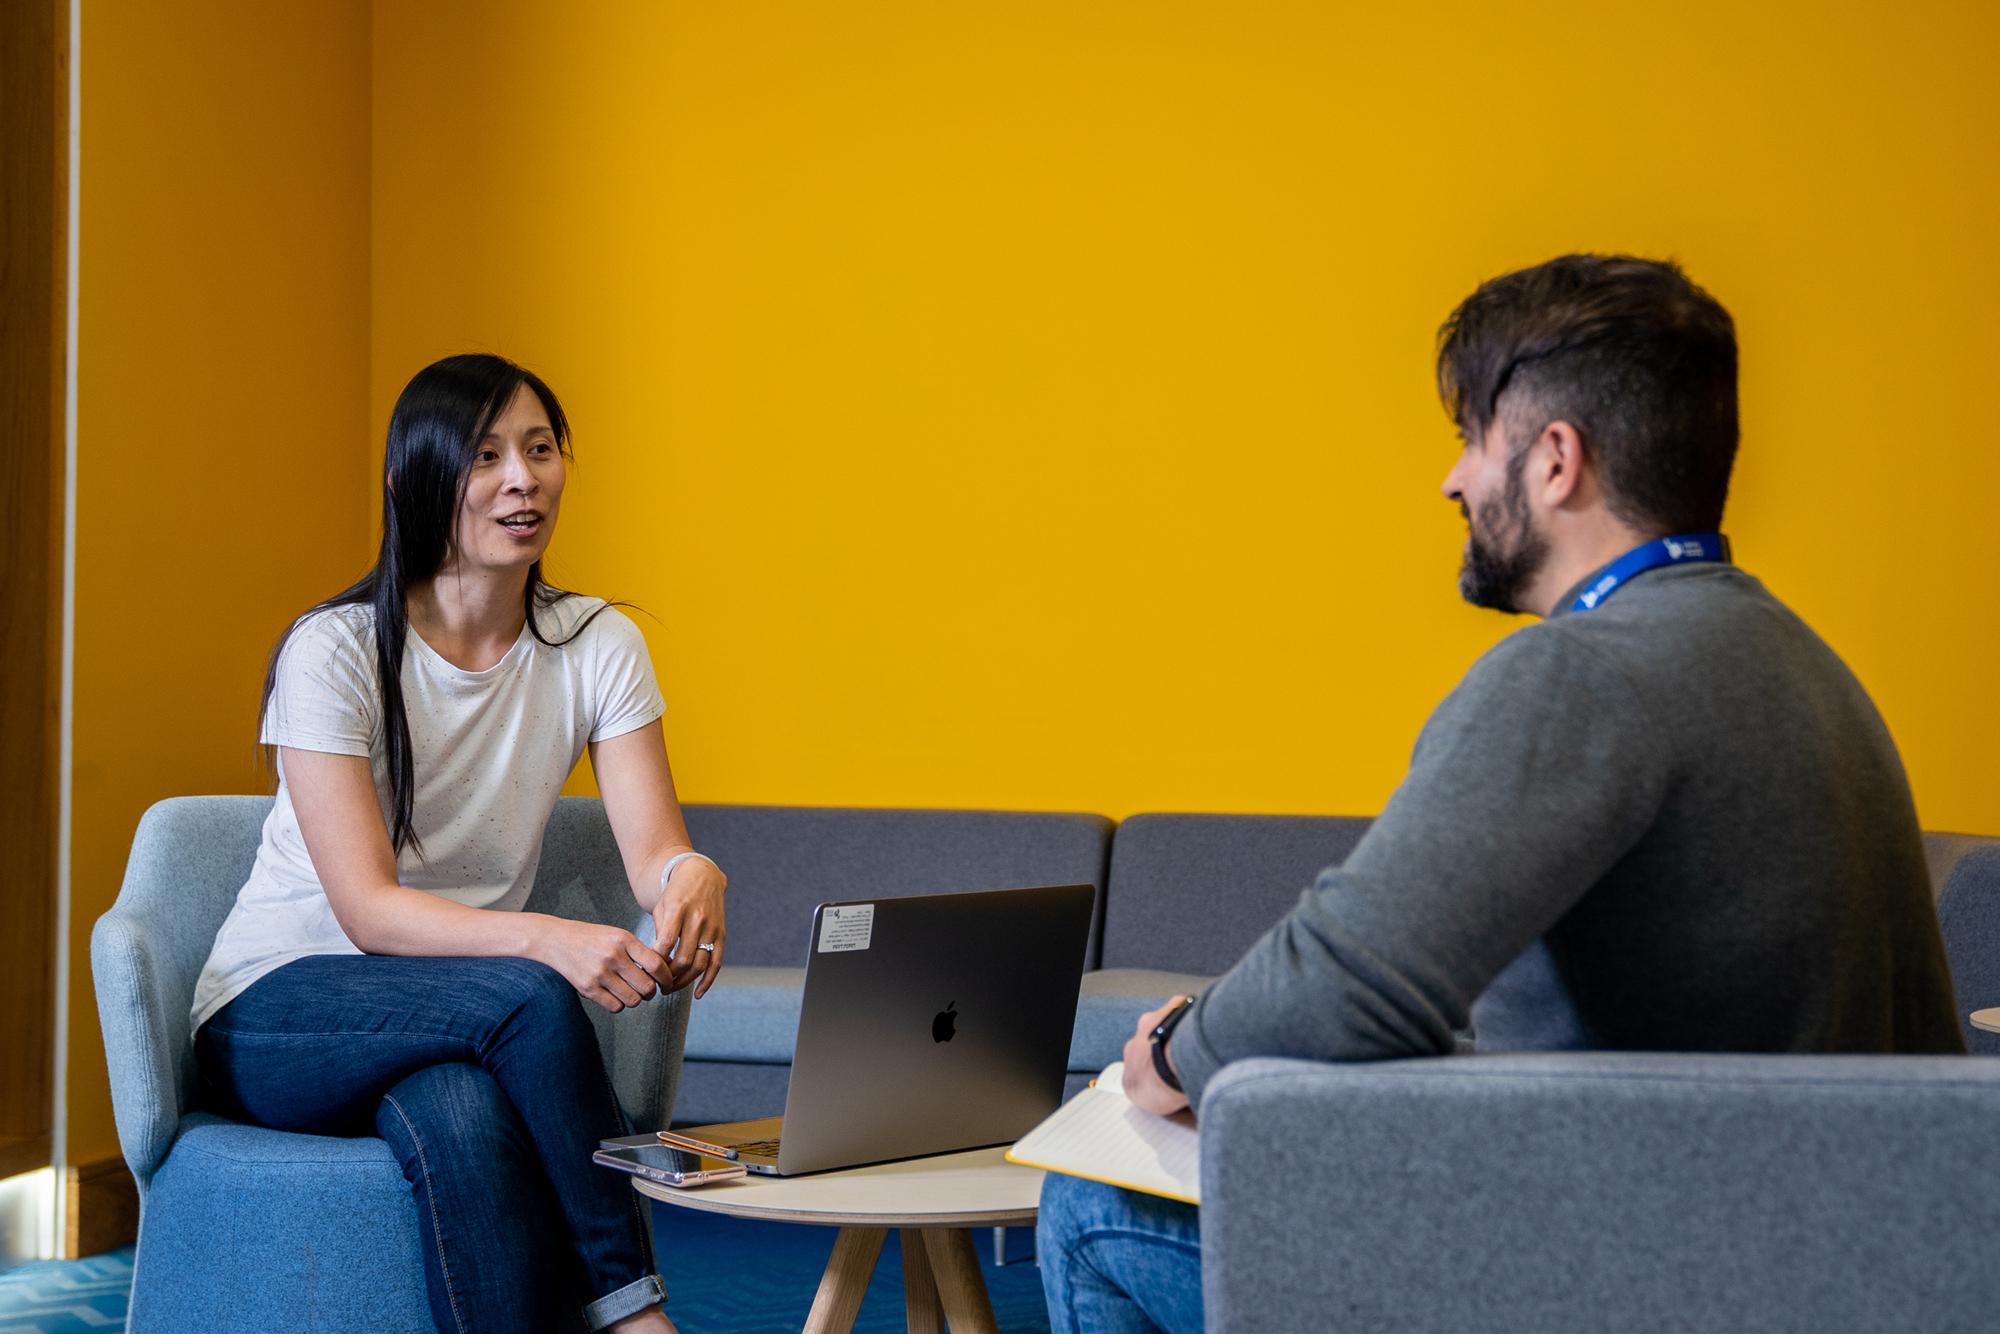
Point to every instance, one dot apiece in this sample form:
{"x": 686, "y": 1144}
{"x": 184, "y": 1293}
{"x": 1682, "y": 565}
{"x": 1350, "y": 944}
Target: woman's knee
{"x": 444, "y": 1117}
{"x": 535, "y": 996}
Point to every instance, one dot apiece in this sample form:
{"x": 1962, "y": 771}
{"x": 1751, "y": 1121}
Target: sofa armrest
{"x": 642, "y": 1054}
{"x": 1599, "y": 1191}
{"x": 189, "y": 857}
{"x": 134, "y": 1006}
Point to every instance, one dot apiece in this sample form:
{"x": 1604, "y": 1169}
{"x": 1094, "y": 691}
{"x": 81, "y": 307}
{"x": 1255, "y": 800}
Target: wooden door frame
{"x": 34, "y": 335}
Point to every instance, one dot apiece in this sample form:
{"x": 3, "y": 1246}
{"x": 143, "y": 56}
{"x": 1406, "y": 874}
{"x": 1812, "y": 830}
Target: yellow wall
{"x": 1030, "y": 405}
{"x": 222, "y": 375}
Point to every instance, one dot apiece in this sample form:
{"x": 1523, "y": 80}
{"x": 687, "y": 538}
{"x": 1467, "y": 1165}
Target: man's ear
{"x": 1562, "y": 464}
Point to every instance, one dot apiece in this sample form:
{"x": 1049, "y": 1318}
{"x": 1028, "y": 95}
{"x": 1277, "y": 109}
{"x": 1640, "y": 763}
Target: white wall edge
{"x": 66, "y": 763}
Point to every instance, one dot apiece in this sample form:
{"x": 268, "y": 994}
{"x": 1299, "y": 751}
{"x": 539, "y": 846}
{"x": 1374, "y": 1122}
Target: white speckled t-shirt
{"x": 492, "y": 751}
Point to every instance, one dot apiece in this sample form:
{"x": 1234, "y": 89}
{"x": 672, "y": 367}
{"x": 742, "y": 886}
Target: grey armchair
{"x": 1603, "y": 1191}
{"x": 242, "y": 1228}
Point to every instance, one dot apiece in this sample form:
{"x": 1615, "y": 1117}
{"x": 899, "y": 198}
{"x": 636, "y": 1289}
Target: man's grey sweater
{"x": 1674, "y": 823}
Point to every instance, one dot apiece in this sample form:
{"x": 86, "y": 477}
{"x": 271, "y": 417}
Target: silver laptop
{"x": 929, "y": 1024}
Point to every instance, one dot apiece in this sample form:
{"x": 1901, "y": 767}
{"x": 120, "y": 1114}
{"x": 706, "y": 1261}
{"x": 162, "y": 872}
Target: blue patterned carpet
{"x": 728, "y": 1276}
{"x": 67, "y": 1296}
{"x": 723, "y": 1275}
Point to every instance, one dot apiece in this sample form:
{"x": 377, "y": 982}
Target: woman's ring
{"x": 708, "y": 945}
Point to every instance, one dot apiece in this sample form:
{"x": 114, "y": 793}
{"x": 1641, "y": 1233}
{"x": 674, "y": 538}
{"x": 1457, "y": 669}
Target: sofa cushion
{"x": 750, "y": 1014}
{"x": 1191, "y": 893}
{"x": 1969, "y": 916}
{"x": 784, "y": 860}
{"x": 1110, "y": 1006}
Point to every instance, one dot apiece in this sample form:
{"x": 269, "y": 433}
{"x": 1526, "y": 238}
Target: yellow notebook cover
{"x": 1100, "y": 1136}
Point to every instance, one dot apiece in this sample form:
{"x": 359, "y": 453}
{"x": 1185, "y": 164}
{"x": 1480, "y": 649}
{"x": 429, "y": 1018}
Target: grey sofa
{"x": 1187, "y": 895}
{"x": 784, "y": 860}
{"x": 1182, "y": 897}
{"x": 242, "y": 1228}
{"x": 1594, "y": 1191}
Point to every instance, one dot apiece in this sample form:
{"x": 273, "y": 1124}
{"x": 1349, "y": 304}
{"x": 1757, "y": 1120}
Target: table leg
{"x": 961, "y": 1289}
{"x": 921, "y": 1312}
{"x": 845, "y": 1281}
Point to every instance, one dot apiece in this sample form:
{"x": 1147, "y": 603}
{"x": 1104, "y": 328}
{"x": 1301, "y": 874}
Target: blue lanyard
{"x": 1680, "y": 549}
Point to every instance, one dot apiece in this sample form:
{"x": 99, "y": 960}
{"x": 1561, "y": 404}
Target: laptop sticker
{"x": 849, "y": 926}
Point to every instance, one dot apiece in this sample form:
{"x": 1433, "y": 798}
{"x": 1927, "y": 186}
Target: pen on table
{"x": 668, "y": 1137}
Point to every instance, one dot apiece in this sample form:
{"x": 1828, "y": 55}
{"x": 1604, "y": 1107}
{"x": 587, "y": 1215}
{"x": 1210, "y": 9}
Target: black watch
{"x": 1161, "y": 1032}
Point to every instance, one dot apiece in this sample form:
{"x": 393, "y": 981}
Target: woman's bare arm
{"x": 334, "y": 798}
{"x": 638, "y": 788}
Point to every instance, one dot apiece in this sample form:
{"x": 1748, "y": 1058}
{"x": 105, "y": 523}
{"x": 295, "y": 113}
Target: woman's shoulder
{"x": 579, "y": 618}
{"x": 346, "y": 627}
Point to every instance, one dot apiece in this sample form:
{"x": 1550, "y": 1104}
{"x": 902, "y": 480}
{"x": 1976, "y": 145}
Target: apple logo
{"x": 945, "y": 1027}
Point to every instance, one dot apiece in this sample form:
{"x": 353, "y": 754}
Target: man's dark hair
{"x": 1637, "y": 358}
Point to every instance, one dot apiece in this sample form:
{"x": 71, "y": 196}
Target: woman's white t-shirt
{"x": 492, "y": 751}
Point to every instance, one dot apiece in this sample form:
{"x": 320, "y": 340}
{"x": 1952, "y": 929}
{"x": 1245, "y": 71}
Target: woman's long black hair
{"x": 441, "y": 418}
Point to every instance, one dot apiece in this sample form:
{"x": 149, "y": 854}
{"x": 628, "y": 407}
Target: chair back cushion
{"x": 1602, "y": 1191}
{"x": 1966, "y": 873}
{"x": 1190, "y": 893}
{"x": 785, "y": 860}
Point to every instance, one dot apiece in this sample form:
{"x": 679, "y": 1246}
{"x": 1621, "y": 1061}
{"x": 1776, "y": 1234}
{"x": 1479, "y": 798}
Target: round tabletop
{"x": 1989, "y": 1020}
{"x": 978, "y": 1188}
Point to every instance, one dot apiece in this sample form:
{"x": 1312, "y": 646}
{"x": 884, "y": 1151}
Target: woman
{"x": 376, "y": 973}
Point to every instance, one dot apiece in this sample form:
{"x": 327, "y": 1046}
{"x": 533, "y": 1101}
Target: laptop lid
{"x": 933, "y": 1023}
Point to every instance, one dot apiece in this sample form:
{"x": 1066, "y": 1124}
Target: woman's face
{"x": 513, "y": 490}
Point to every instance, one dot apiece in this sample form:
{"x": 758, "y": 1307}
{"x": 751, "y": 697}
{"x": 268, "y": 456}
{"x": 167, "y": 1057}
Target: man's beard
{"x": 1503, "y": 552}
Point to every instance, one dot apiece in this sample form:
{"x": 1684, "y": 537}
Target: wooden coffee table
{"x": 1989, "y": 1020}
{"x": 930, "y": 1201}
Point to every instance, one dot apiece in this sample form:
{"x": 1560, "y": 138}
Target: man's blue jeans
{"x": 485, "y": 1078}
{"x": 1118, "y": 1262}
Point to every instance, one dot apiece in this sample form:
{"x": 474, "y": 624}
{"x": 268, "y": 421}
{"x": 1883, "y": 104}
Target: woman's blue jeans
{"x": 485, "y": 1078}
{"x": 1118, "y": 1262}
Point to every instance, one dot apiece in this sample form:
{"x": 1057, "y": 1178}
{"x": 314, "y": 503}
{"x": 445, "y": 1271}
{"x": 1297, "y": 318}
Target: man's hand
{"x": 1143, "y": 1084}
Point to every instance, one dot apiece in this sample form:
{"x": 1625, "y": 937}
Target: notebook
{"x": 1101, "y": 1136}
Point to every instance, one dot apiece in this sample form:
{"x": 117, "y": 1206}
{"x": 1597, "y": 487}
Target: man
{"x": 1664, "y": 818}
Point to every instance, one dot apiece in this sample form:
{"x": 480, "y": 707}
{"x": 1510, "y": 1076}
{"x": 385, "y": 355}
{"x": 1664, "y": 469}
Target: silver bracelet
{"x": 676, "y": 860}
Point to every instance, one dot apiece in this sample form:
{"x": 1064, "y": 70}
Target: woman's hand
{"x": 645, "y": 817}
{"x": 688, "y": 924}
{"x": 609, "y": 966}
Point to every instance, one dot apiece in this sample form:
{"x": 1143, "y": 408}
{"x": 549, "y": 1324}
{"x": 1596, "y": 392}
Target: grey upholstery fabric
{"x": 1966, "y": 873}
{"x": 714, "y": 1091}
{"x": 1110, "y": 1006}
{"x": 750, "y": 1014}
{"x": 189, "y": 857}
{"x": 785, "y": 860}
{"x": 582, "y": 877}
{"x": 1571, "y": 1193}
{"x": 1190, "y": 893}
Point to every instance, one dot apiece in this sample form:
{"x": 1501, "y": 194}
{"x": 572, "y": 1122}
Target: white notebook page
{"x": 1098, "y": 1134}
